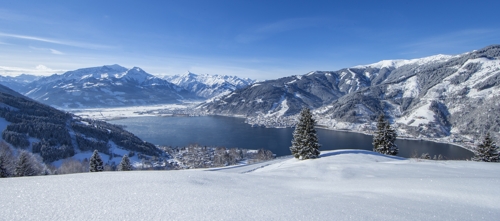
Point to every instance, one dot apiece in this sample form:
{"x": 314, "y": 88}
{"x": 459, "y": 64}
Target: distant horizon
{"x": 250, "y": 39}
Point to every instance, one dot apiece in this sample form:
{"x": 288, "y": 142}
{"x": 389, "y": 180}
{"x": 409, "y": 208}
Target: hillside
{"x": 341, "y": 185}
{"x": 443, "y": 97}
{"x": 57, "y": 135}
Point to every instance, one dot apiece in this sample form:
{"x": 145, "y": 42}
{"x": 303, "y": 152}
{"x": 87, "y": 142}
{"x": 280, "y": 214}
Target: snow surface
{"x": 400, "y": 62}
{"x": 341, "y": 185}
{"x": 125, "y": 112}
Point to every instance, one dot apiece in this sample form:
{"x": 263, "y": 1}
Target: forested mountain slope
{"x": 55, "y": 135}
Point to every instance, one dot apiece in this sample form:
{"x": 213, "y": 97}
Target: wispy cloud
{"x": 38, "y": 70}
{"x": 53, "y": 51}
{"x": 460, "y": 40}
{"x": 57, "y": 42}
{"x": 268, "y": 30}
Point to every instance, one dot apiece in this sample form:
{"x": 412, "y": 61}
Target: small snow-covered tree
{"x": 28, "y": 165}
{"x": 384, "y": 138}
{"x": 95, "y": 162}
{"x": 125, "y": 164}
{"x": 487, "y": 151}
{"x": 305, "y": 141}
{"x": 6, "y": 160}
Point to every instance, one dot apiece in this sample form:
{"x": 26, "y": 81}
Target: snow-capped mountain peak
{"x": 108, "y": 85}
{"x": 209, "y": 86}
{"x": 136, "y": 74}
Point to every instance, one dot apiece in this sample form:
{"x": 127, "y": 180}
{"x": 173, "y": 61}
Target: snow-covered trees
{"x": 305, "y": 142}
{"x": 6, "y": 161}
{"x": 384, "y": 137}
{"x": 125, "y": 164}
{"x": 95, "y": 162}
{"x": 28, "y": 165}
{"x": 487, "y": 151}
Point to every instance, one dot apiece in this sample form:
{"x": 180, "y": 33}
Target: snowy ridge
{"x": 357, "y": 184}
{"x": 400, "y": 62}
{"x": 209, "y": 86}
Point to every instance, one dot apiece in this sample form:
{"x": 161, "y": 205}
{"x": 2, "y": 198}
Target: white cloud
{"x": 38, "y": 70}
{"x": 58, "y": 42}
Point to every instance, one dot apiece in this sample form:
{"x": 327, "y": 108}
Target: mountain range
{"x": 106, "y": 86}
{"x": 209, "y": 86}
{"x": 455, "y": 98}
{"x": 114, "y": 85}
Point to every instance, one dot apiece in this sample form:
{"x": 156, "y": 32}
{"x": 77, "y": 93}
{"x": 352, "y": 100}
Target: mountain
{"x": 106, "y": 86}
{"x": 450, "y": 97}
{"x": 56, "y": 135}
{"x": 19, "y": 82}
{"x": 209, "y": 86}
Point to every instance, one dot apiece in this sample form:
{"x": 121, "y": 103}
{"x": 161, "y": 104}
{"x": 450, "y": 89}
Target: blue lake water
{"x": 233, "y": 132}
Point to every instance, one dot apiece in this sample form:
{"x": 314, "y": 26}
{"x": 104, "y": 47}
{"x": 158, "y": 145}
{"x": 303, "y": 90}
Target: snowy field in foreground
{"x": 341, "y": 185}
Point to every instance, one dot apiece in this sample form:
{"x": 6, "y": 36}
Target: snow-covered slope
{"x": 106, "y": 86}
{"x": 341, "y": 185}
{"x": 209, "y": 86}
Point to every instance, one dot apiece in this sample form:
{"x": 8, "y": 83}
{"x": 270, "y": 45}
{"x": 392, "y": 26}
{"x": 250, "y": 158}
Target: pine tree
{"x": 125, "y": 164}
{"x": 95, "y": 162}
{"x": 28, "y": 165}
{"x": 487, "y": 151}
{"x": 384, "y": 138}
{"x": 305, "y": 141}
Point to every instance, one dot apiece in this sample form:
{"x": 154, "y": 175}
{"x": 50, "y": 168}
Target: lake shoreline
{"x": 230, "y": 131}
{"x": 320, "y": 127}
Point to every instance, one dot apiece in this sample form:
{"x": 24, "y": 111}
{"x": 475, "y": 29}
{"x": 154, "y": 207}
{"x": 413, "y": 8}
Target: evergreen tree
{"x": 95, "y": 162}
{"x": 384, "y": 138}
{"x": 487, "y": 151}
{"x": 125, "y": 164}
{"x": 28, "y": 165}
{"x": 305, "y": 141}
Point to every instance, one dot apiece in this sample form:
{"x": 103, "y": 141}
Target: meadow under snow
{"x": 341, "y": 185}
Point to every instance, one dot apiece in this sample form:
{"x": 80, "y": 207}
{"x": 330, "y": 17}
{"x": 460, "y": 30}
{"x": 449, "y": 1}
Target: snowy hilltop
{"x": 340, "y": 185}
{"x": 209, "y": 86}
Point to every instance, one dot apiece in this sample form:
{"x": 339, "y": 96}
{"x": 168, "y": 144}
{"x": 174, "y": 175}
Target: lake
{"x": 233, "y": 132}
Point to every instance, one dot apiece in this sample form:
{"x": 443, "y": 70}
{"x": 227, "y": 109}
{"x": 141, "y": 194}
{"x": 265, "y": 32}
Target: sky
{"x": 256, "y": 39}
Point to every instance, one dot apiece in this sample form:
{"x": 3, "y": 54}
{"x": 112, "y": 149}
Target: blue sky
{"x": 256, "y": 39}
